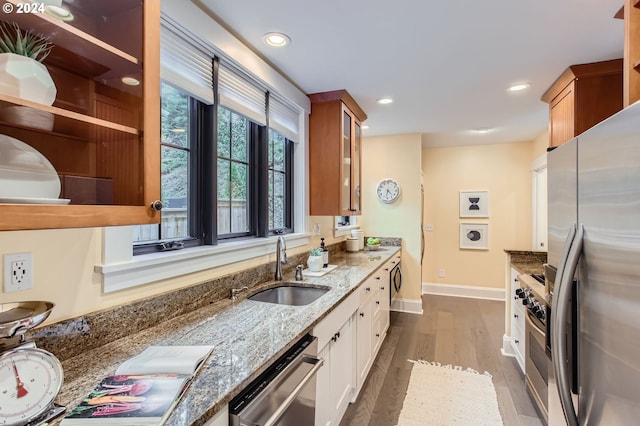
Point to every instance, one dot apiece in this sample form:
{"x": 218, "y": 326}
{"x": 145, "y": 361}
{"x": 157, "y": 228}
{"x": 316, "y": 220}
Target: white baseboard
{"x": 507, "y": 348}
{"x": 463, "y": 291}
{"x": 410, "y": 306}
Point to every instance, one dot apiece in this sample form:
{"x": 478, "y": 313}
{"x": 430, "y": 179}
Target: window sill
{"x": 344, "y": 230}
{"x": 148, "y": 268}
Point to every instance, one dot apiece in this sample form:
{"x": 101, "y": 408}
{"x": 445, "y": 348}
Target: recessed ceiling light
{"x": 276, "y": 39}
{"x": 130, "y": 81}
{"x": 482, "y": 131}
{"x": 384, "y": 101}
{"x": 519, "y": 87}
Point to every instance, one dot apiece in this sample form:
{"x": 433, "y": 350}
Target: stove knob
{"x": 527, "y": 301}
{"x": 540, "y": 315}
{"x": 519, "y": 291}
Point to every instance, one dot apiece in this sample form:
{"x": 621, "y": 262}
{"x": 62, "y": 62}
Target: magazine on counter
{"x": 144, "y": 389}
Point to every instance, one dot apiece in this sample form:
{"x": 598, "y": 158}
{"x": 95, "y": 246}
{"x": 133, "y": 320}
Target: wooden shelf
{"x": 76, "y": 41}
{"x": 5, "y": 99}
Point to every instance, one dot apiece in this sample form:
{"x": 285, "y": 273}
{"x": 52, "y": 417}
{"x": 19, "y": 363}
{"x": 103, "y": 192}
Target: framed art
{"x": 474, "y": 236}
{"x": 474, "y": 203}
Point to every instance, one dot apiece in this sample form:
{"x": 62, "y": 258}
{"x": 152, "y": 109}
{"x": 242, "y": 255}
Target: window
{"x": 233, "y": 171}
{"x": 280, "y": 166}
{"x": 175, "y": 160}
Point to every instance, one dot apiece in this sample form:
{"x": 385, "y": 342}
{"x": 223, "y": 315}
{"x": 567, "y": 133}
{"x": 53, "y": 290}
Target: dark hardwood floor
{"x": 452, "y": 330}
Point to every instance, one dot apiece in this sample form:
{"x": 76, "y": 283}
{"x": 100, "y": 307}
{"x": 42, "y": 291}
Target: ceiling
{"x": 446, "y": 63}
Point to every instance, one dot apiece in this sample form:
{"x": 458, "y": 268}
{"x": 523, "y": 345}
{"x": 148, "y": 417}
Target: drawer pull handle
{"x": 368, "y": 289}
{"x": 517, "y": 341}
{"x": 362, "y": 314}
{"x": 377, "y": 302}
{"x": 377, "y": 278}
{"x": 515, "y": 315}
{"x": 377, "y": 334}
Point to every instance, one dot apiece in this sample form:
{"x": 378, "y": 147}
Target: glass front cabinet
{"x": 335, "y": 154}
{"x": 80, "y": 130}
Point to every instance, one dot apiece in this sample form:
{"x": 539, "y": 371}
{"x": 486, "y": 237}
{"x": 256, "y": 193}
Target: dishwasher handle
{"x": 296, "y": 391}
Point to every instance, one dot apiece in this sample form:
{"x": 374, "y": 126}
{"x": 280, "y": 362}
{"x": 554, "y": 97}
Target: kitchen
{"x": 72, "y": 271}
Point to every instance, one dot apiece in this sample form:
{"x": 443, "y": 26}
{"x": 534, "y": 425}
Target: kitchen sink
{"x": 290, "y": 294}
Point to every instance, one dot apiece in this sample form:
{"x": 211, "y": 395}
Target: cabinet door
{"x": 341, "y": 358}
{"x": 562, "y": 117}
{"x": 100, "y": 134}
{"x": 364, "y": 331}
{"x": 356, "y": 169}
{"x": 324, "y": 395}
{"x": 347, "y": 153}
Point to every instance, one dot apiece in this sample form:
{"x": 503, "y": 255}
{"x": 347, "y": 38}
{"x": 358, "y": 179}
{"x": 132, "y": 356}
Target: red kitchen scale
{"x": 30, "y": 377}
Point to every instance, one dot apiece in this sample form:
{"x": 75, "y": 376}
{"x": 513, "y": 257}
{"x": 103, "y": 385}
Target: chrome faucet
{"x": 235, "y": 291}
{"x": 281, "y": 257}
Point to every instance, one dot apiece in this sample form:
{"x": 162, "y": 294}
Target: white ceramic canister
{"x": 360, "y": 236}
{"x": 352, "y": 244}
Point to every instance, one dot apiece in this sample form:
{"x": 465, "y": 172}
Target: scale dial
{"x": 30, "y": 379}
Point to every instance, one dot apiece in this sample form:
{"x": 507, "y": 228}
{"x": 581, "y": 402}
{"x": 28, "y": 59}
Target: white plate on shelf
{"x": 25, "y": 200}
{"x": 25, "y": 172}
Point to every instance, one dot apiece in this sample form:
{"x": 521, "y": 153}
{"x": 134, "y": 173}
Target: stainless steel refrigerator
{"x": 593, "y": 274}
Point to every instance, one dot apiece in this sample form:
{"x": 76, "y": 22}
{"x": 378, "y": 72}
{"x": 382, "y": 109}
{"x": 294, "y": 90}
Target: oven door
{"x": 536, "y": 363}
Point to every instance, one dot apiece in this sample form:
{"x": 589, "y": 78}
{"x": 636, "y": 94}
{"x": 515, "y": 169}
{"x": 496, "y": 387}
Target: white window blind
{"x": 241, "y": 93}
{"x": 284, "y": 118}
{"x": 185, "y": 61}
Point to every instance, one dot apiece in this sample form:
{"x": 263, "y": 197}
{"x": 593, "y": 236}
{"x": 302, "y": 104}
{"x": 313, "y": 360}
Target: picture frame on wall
{"x": 474, "y": 236}
{"x": 474, "y": 203}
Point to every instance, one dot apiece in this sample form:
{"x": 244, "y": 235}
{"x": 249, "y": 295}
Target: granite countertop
{"x": 247, "y": 336}
{"x": 528, "y": 262}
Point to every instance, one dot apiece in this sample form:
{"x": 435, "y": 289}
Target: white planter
{"x": 26, "y": 78}
{"x": 315, "y": 263}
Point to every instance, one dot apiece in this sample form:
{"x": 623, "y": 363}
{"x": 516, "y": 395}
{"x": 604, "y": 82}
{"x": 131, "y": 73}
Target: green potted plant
{"x": 22, "y": 73}
{"x": 315, "y": 260}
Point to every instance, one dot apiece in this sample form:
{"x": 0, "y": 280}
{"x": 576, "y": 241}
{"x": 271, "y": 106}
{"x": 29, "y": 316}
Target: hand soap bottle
{"x": 325, "y": 253}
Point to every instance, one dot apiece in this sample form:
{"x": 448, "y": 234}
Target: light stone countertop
{"x": 247, "y": 337}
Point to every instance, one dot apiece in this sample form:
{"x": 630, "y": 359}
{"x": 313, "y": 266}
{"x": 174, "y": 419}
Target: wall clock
{"x": 388, "y": 190}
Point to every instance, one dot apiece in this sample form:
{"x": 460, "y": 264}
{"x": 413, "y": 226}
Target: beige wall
{"x": 539, "y": 145}
{"x": 501, "y": 169}
{"x": 396, "y": 157}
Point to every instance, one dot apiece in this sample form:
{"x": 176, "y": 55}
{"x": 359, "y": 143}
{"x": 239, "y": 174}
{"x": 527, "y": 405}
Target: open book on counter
{"x": 144, "y": 389}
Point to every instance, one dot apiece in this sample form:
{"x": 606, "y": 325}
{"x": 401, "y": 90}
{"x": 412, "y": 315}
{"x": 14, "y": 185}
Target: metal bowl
{"x": 18, "y": 317}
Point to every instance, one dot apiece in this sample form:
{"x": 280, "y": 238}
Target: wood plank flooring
{"x": 452, "y": 330}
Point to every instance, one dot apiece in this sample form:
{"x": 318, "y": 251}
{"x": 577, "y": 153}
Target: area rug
{"x": 445, "y": 395}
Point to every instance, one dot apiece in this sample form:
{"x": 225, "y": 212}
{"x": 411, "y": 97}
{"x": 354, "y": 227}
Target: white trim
{"x": 472, "y": 292}
{"x": 507, "y": 346}
{"x": 148, "y": 268}
{"x": 409, "y": 306}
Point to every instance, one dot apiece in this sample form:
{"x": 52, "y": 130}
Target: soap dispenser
{"x": 325, "y": 253}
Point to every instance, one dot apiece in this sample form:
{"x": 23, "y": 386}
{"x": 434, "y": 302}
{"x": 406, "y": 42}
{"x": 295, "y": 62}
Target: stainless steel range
{"x": 532, "y": 293}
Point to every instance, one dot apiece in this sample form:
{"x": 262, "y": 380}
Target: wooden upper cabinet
{"x": 631, "y": 14}
{"x": 581, "y": 97}
{"x": 101, "y": 136}
{"x": 335, "y": 154}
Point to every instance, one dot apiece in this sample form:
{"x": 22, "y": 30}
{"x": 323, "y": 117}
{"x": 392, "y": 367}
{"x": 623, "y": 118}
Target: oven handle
{"x": 534, "y": 325}
{"x": 296, "y": 391}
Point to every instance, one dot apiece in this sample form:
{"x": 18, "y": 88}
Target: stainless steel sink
{"x": 290, "y": 294}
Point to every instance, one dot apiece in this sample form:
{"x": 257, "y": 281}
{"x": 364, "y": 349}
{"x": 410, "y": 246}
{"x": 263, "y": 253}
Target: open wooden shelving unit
{"x": 80, "y": 125}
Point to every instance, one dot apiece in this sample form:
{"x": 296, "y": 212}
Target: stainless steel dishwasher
{"x": 285, "y": 394}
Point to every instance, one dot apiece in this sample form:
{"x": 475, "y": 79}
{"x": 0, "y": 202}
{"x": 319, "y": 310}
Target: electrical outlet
{"x": 442, "y": 273}
{"x": 18, "y": 272}
{"x": 316, "y": 229}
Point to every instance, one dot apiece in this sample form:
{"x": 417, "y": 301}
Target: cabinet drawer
{"x": 327, "y": 328}
{"x": 366, "y": 290}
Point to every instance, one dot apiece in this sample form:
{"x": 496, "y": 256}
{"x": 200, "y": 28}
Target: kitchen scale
{"x": 30, "y": 377}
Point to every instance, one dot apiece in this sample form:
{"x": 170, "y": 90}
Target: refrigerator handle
{"x": 559, "y": 310}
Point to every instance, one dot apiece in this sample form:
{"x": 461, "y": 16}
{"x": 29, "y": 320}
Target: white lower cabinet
{"x": 364, "y": 343}
{"x": 335, "y": 379}
{"x": 518, "y": 319}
